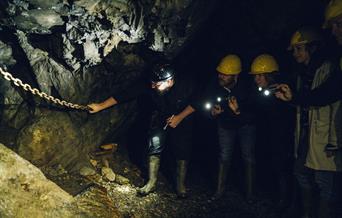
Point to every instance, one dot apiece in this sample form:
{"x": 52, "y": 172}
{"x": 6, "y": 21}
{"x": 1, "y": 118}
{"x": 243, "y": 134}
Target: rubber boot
{"x": 307, "y": 201}
{"x": 181, "y": 174}
{"x": 250, "y": 181}
{"x": 221, "y": 179}
{"x": 154, "y": 162}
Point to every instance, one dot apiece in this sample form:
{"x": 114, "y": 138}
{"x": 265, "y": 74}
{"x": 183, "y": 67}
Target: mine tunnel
{"x": 170, "y": 108}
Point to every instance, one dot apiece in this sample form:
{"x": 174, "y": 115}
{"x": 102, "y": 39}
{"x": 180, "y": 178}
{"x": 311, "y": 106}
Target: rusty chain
{"x": 8, "y": 76}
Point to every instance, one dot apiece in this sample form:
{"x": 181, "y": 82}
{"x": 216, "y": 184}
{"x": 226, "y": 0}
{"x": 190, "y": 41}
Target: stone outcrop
{"x": 26, "y": 192}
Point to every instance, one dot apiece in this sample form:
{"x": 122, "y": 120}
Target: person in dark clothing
{"x": 318, "y": 130}
{"x": 235, "y": 121}
{"x": 172, "y": 99}
{"x": 275, "y": 125}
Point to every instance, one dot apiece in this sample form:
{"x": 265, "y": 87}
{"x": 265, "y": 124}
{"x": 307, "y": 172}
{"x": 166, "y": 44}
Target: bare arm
{"x": 96, "y": 107}
{"x": 174, "y": 121}
{"x": 186, "y": 112}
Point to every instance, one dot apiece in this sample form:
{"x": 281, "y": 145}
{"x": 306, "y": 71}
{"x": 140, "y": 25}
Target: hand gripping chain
{"x": 35, "y": 91}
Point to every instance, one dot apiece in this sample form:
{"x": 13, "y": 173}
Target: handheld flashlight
{"x": 208, "y": 106}
{"x": 219, "y": 100}
{"x": 267, "y": 91}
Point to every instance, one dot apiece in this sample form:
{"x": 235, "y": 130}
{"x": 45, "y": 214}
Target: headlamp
{"x": 161, "y": 85}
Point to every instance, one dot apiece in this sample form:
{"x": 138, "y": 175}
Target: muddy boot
{"x": 154, "y": 162}
{"x": 181, "y": 174}
{"x": 221, "y": 179}
{"x": 250, "y": 182}
{"x": 306, "y": 198}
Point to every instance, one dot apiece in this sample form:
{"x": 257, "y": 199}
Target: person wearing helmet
{"x": 318, "y": 133}
{"x": 162, "y": 78}
{"x": 230, "y": 107}
{"x": 308, "y": 50}
{"x": 333, "y": 19}
{"x": 171, "y": 101}
{"x": 274, "y": 126}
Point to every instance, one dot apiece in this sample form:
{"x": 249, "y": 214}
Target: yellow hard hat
{"x": 332, "y": 11}
{"x": 304, "y": 35}
{"x": 264, "y": 63}
{"x": 229, "y": 65}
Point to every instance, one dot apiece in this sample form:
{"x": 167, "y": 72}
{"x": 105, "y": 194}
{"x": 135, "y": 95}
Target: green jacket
{"x": 325, "y": 127}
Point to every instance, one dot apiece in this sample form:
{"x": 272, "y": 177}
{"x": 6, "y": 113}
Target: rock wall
{"x": 25, "y": 192}
{"x": 81, "y": 51}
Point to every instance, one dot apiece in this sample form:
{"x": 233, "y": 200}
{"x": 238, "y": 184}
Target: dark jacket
{"x": 326, "y": 93}
{"x": 241, "y": 92}
{"x": 275, "y": 120}
{"x": 172, "y": 102}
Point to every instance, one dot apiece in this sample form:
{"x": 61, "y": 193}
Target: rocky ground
{"x": 100, "y": 196}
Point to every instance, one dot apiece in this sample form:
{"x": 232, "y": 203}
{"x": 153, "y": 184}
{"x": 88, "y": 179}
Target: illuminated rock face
{"x": 98, "y": 26}
{"x": 26, "y": 192}
{"x": 81, "y": 51}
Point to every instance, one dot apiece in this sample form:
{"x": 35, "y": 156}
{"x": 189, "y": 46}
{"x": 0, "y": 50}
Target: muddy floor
{"x": 101, "y": 198}
{"x": 110, "y": 199}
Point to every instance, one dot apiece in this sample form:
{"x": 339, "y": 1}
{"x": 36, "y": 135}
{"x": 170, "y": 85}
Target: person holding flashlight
{"x": 171, "y": 123}
{"x": 275, "y": 125}
{"x": 318, "y": 132}
{"x": 235, "y": 121}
